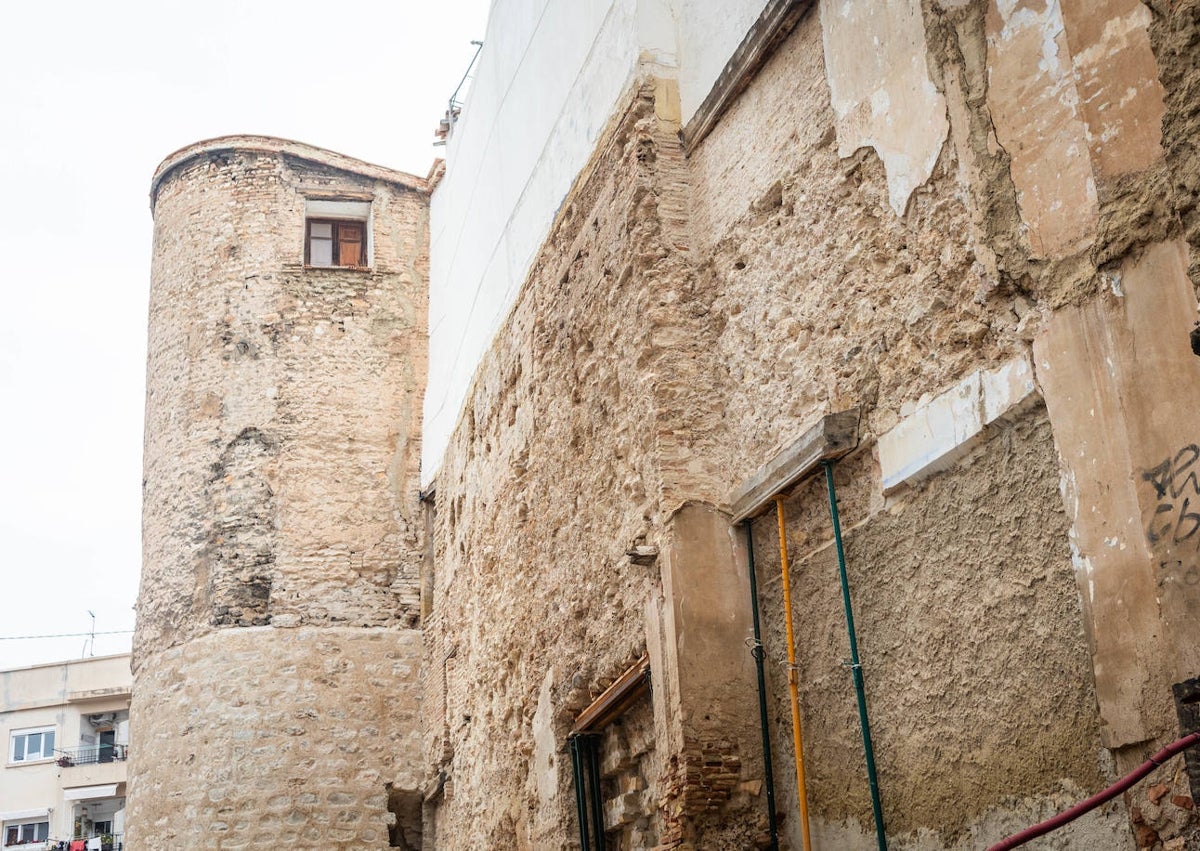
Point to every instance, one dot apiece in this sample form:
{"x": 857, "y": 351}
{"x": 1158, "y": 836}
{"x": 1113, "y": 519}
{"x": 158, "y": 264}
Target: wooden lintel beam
{"x": 616, "y": 698}
{"x": 833, "y": 436}
{"x": 778, "y": 19}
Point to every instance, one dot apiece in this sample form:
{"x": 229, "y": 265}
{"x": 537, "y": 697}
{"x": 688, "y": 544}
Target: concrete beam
{"x": 947, "y": 427}
{"x": 833, "y": 436}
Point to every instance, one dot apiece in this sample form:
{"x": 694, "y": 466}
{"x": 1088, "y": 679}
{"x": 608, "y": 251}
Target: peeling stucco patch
{"x": 1074, "y": 96}
{"x": 1119, "y": 379}
{"x": 1120, "y": 97}
{"x": 880, "y": 89}
{"x": 1035, "y": 108}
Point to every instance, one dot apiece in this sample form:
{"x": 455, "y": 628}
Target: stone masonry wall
{"x": 834, "y": 301}
{"x": 270, "y": 738}
{"x": 829, "y": 301}
{"x": 276, "y": 664}
{"x": 568, "y": 478}
{"x": 282, "y": 426}
{"x": 662, "y": 350}
{"x": 969, "y": 629}
{"x": 552, "y": 477}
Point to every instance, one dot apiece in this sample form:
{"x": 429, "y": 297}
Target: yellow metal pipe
{"x": 793, "y": 685}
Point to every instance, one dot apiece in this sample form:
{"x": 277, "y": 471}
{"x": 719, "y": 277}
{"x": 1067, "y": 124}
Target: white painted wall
{"x": 550, "y": 75}
{"x": 708, "y": 34}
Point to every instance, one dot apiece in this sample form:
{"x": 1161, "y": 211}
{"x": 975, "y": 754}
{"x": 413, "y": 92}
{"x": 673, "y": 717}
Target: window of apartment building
{"x": 30, "y": 745}
{"x": 30, "y": 831}
{"x": 337, "y": 234}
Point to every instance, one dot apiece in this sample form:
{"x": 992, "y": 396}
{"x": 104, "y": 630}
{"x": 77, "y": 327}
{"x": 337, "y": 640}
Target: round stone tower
{"x": 276, "y": 655}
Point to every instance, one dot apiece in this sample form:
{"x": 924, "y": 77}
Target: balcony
{"x": 91, "y": 754}
{"x": 92, "y": 842}
{"x": 92, "y": 765}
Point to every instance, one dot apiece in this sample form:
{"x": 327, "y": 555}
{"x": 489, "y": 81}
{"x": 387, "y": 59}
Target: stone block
{"x": 945, "y": 428}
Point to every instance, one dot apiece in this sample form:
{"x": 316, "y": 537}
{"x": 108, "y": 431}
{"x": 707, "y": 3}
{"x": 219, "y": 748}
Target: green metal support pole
{"x": 768, "y": 771}
{"x": 855, "y": 665}
{"x": 581, "y": 808}
{"x": 591, "y": 742}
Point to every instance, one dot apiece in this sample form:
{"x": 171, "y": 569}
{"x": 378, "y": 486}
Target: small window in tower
{"x": 337, "y": 233}
{"x": 335, "y": 243}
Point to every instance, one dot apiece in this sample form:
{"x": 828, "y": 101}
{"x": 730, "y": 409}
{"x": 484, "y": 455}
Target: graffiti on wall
{"x": 1176, "y": 518}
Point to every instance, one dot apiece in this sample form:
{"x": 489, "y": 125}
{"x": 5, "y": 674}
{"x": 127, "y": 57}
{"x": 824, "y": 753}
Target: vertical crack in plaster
{"x": 876, "y": 63}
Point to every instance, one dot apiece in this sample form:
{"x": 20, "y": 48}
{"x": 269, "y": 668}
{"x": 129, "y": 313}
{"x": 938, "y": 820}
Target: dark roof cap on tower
{"x": 273, "y": 145}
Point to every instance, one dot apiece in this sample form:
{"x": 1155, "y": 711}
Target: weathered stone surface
{"x": 282, "y": 444}
{"x": 572, "y": 386}
{"x": 282, "y": 434}
{"x": 798, "y": 291}
{"x": 284, "y": 737}
{"x": 684, "y": 319}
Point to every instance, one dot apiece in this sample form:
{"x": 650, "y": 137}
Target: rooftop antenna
{"x": 92, "y": 637}
{"x": 455, "y": 108}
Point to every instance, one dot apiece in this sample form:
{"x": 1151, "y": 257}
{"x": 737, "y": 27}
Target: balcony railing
{"x": 91, "y": 754}
{"x": 105, "y": 842}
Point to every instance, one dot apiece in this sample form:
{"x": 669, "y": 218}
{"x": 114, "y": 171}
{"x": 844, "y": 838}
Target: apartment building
{"x": 66, "y": 731}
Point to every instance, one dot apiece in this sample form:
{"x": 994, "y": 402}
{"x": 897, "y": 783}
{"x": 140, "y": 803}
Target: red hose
{"x": 1067, "y": 816}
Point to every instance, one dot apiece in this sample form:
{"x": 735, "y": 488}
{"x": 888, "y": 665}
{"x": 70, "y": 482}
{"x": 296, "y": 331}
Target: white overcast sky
{"x": 92, "y": 97}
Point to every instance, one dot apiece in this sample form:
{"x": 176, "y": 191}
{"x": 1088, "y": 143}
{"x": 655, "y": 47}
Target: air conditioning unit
{"x": 102, "y": 720}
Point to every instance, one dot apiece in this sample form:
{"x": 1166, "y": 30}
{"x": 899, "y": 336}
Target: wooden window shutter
{"x": 350, "y": 244}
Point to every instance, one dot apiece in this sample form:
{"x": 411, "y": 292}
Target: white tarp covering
{"x": 86, "y": 793}
{"x": 14, "y": 815}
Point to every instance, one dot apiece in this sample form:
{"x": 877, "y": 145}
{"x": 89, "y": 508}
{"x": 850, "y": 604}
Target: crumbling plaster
{"x": 880, "y": 90}
{"x": 803, "y": 289}
{"x": 1074, "y": 93}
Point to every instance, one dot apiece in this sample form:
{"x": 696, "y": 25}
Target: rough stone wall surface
{"x": 272, "y": 738}
{"x": 660, "y": 352}
{"x": 687, "y": 316}
{"x": 551, "y": 478}
{"x": 825, "y": 299}
{"x": 280, "y": 492}
{"x": 282, "y": 425}
{"x": 977, "y": 672}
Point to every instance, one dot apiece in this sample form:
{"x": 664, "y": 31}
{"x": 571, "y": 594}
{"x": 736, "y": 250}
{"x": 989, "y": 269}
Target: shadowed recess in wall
{"x": 404, "y": 818}
{"x": 240, "y": 548}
